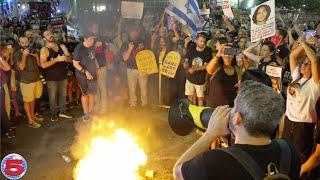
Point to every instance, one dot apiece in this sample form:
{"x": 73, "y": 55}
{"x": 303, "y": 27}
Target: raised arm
{"x": 247, "y": 52}
{"x": 293, "y": 58}
{"x": 314, "y": 62}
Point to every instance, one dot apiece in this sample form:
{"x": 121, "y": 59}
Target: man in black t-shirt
{"x": 253, "y": 119}
{"x": 129, "y": 52}
{"x": 195, "y": 65}
{"x": 86, "y": 65}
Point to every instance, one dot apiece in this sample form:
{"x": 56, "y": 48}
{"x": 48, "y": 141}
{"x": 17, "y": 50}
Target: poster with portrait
{"x": 171, "y": 64}
{"x": 263, "y": 22}
{"x": 275, "y": 73}
{"x": 146, "y": 62}
{"x": 226, "y": 8}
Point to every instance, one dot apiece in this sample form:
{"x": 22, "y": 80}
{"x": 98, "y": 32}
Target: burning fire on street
{"x": 106, "y": 152}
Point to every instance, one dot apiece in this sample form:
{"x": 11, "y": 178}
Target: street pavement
{"x": 43, "y": 148}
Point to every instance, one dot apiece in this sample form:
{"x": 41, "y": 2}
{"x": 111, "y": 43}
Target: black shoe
{"x": 54, "y": 118}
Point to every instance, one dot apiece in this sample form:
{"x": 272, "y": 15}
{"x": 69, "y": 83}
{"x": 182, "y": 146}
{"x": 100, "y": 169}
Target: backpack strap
{"x": 285, "y": 160}
{"x": 246, "y": 161}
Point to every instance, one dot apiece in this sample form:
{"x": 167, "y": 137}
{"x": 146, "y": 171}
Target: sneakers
{"x": 38, "y": 118}
{"x": 10, "y": 134}
{"x": 54, "y": 118}
{"x": 85, "y": 118}
{"x": 34, "y": 125}
{"x": 65, "y": 115}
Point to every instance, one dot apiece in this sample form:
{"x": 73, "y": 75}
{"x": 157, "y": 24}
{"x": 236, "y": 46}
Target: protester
{"x": 5, "y": 122}
{"x": 27, "y": 63}
{"x": 53, "y": 58}
{"x": 256, "y": 114}
{"x": 129, "y": 51}
{"x": 196, "y": 61}
{"x": 303, "y": 93}
{"x": 87, "y": 68}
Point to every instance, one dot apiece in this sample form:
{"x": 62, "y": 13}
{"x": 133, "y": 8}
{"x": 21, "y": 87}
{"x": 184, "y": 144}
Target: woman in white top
{"x": 303, "y": 93}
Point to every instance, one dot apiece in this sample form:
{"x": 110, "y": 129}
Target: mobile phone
{"x": 230, "y": 51}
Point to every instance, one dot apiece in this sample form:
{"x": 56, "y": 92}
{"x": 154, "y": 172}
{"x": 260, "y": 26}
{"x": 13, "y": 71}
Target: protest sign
{"x": 263, "y": 23}
{"x": 146, "y": 62}
{"x": 275, "y": 74}
{"x": 226, "y": 8}
{"x": 132, "y": 10}
{"x": 170, "y": 64}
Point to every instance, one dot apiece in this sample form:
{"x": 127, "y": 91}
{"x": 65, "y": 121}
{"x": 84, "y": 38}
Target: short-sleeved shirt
{"x": 86, "y": 57}
{"x": 197, "y": 59}
{"x": 301, "y": 102}
{"x": 31, "y": 72}
{"x": 216, "y": 164}
{"x": 138, "y": 46}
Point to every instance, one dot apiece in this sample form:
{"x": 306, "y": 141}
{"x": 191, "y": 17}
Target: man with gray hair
{"x": 255, "y": 116}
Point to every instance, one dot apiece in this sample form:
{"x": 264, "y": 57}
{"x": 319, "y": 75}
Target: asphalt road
{"x": 43, "y": 148}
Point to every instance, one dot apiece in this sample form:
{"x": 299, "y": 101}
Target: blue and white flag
{"x": 187, "y": 12}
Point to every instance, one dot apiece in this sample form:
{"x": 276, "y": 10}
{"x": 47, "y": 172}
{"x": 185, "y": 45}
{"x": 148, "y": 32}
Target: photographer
{"x": 222, "y": 90}
{"x": 27, "y": 63}
{"x": 252, "y": 120}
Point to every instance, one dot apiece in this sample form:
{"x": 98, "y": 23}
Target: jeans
{"x": 133, "y": 77}
{"x": 57, "y": 90}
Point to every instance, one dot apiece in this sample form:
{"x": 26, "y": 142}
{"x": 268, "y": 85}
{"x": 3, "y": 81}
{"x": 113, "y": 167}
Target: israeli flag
{"x": 187, "y": 12}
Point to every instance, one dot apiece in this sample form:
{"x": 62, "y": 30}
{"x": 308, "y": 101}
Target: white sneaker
{"x": 64, "y": 115}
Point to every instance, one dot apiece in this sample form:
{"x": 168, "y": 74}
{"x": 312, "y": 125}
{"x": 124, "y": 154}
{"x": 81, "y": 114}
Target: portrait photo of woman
{"x": 261, "y": 15}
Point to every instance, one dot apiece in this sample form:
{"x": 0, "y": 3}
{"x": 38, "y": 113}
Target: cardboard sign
{"x": 170, "y": 64}
{"x": 146, "y": 62}
{"x": 263, "y": 23}
{"x": 275, "y": 74}
{"x": 132, "y": 10}
{"x": 274, "y": 71}
{"x": 226, "y": 8}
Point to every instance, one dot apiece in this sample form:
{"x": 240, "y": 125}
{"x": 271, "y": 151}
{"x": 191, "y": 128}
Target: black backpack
{"x": 254, "y": 169}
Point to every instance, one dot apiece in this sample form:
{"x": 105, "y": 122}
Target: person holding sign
{"x": 261, "y": 14}
{"x": 129, "y": 52}
{"x": 303, "y": 93}
{"x": 195, "y": 65}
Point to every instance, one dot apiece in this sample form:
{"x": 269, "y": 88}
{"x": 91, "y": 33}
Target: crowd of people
{"x": 48, "y": 64}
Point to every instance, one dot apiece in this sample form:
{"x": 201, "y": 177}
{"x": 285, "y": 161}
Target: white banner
{"x": 263, "y": 23}
{"x": 132, "y": 10}
{"x": 226, "y": 8}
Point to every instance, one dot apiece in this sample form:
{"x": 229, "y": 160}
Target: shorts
{"x": 190, "y": 88}
{"x": 31, "y": 91}
{"x": 87, "y": 86}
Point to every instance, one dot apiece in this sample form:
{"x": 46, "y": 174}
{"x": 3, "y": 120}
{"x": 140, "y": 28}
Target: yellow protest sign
{"x": 146, "y": 62}
{"x": 170, "y": 64}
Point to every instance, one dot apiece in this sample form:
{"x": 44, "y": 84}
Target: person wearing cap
{"x": 86, "y": 65}
{"x": 195, "y": 64}
{"x": 129, "y": 52}
{"x": 53, "y": 58}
